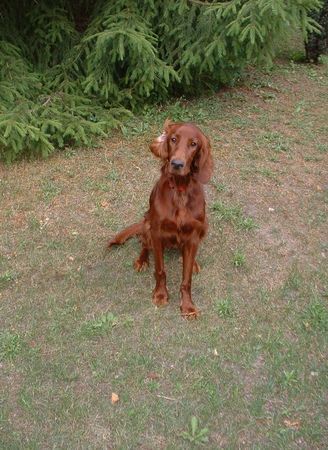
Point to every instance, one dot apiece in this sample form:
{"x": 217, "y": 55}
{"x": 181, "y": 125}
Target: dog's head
{"x": 186, "y": 150}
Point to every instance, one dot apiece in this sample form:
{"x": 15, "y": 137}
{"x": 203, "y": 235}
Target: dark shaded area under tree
{"x": 317, "y": 43}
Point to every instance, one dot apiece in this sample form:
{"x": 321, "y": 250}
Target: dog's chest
{"x": 181, "y": 220}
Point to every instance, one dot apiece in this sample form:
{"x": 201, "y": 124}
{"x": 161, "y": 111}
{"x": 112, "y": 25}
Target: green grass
{"x": 10, "y": 345}
{"x": 315, "y": 316}
{"x": 99, "y": 326}
{"x": 239, "y": 258}
{"x": 195, "y": 435}
{"x": 6, "y": 278}
{"x": 50, "y": 190}
{"x": 77, "y": 323}
{"x": 232, "y": 214}
{"x": 224, "y": 308}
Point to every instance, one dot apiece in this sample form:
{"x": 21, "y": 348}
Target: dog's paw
{"x": 160, "y": 298}
{"x": 189, "y": 311}
{"x": 140, "y": 265}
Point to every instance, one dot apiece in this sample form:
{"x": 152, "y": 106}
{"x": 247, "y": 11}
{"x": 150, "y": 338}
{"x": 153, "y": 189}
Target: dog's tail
{"x": 133, "y": 230}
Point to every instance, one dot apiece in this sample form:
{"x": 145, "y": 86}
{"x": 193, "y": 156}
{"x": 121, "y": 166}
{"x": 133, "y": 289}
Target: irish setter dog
{"x": 176, "y": 215}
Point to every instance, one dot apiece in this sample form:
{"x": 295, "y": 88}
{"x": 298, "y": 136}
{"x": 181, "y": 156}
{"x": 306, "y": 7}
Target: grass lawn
{"x": 77, "y": 324}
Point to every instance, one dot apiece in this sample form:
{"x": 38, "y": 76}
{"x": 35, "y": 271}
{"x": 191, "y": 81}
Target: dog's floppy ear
{"x": 205, "y": 162}
{"x": 160, "y": 145}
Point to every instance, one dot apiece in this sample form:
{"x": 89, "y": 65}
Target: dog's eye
{"x": 193, "y": 144}
{"x": 173, "y": 139}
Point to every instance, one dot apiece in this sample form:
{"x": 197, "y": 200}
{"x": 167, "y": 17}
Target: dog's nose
{"x": 177, "y": 164}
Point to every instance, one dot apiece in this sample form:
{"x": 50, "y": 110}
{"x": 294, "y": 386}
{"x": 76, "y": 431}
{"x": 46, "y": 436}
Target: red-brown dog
{"x": 176, "y": 215}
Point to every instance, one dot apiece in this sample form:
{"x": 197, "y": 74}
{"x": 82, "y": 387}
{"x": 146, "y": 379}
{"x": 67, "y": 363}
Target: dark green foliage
{"x": 122, "y": 62}
{"x": 35, "y": 118}
{"x": 71, "y": 70}
{"x": 317, "y": 43}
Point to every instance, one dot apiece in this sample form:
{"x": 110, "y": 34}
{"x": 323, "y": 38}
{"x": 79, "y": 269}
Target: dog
{"x": 176, "y": 216}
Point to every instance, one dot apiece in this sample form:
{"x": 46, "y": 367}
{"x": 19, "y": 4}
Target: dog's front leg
{"x": 187, "y": 306}
{"x": 160, "y": 294}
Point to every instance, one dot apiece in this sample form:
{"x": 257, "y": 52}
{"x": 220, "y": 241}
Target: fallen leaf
{"x": 115, "y": 398}
{"x": 292, "y": 423}
{"x": 153, "y": 376}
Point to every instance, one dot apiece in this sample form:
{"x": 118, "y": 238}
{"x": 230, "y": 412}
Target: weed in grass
{"x": 269, "y": 96}
{"x": 268, "y": 173}
{"x": 241, "y": 122}
{"x": 153, "y": 385}
{"x": 54, "y": 245}
{"x": 310, "y": 158}
{"x": 289, "y": 378}
{"x": 239, "y": 258}
{"x": 112, "y": 175}
{"x": 136, "y": 126}
{"x": 189, "y": 112}
{"x": 312, "y": 73}
{"x": 226, "y": 213}
{"x": 11, "y": 345}
{"x": 273, "y": 344}
{"x": 95, "y": 185}
{"x": 6, "y": 278}
{"x": 323, "y": 148}
{"x": 247, "y": 224}
{"x": 34, "y": 223}
{"x": 253, "y": 155}
{"x": 315, "y": 316}
{"x": 208, "y": 389}
{"x": 99, "y": 326}
{"x": 234, "y": 215}
{"x": 225, "y": 308}
{"x": 63, "y": 372}
{"x": 292, "y": 284}
{"x": 299, "y": 106}
{"x": 318, "y": 219}
{"x": 25, "y": 400}
{"x": 274, "y": 141}
{"x": 264, "y": 295}
{"x": 220, "y": 187}
{"x": 70, "y": 153}
{"x": 263, "y": 171}
{"x": 256, "y": 406}
{"x": 109, "y": 222}
{"x": 195, "y": 435}
{"x": 50, "y": 190}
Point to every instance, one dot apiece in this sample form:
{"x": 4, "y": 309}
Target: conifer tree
{"x": 73, "y": 69}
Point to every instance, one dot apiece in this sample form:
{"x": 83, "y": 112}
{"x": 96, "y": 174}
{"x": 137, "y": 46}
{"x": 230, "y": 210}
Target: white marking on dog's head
{"x": 161, "y": 138}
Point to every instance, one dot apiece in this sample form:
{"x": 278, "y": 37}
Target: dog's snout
{"x": 177, "y": 164}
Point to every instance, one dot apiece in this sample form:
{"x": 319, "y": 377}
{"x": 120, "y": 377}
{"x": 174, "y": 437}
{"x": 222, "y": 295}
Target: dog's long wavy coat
{"x": 176, "y": 216}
